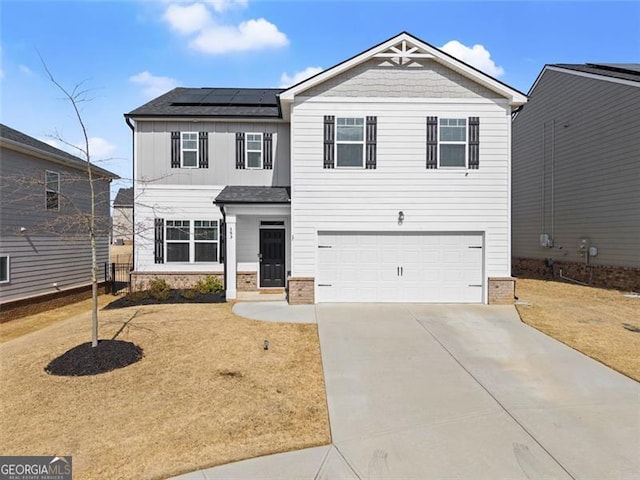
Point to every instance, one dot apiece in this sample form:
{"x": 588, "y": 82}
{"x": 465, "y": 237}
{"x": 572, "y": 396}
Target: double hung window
{"x": 254, "y": 150}
{"x": 189, "y": 149}
{"x": 52, "y": 190}
{"x": 189, "y": 241}
{"x": 350, "y": 142}
{"x": 453, "y": 142}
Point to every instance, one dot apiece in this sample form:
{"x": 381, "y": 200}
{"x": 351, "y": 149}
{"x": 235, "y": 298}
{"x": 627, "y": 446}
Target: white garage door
{"x": 399, "y": 267}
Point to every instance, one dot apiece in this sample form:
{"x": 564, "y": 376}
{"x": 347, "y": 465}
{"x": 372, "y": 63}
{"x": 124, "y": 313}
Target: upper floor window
{"x": 4, "y": 269}
{"x": 254, "y": 150}
{"x": 189, "y": 149}
{"x": 453, "y": 142}
{"x": 349, "y": 142}
{"x": 52, "y": 190}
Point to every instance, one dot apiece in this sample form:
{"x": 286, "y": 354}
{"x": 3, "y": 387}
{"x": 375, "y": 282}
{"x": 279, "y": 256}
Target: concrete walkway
{"x": 458, "y": 392}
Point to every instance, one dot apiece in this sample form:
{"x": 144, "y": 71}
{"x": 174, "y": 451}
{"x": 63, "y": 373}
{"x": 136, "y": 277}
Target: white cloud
{"x": 287, "y": 80}
{"x": 24, "y": 69}
{"x": 189, "y": 19}
{"x": 212, "y": 36}
{"x": 250, "y": 35}
{"x": 477, "y": 56}
{"x": 223, "y": 5}
{"x": 153, "y": 85}
{"x": 100, "y": 148}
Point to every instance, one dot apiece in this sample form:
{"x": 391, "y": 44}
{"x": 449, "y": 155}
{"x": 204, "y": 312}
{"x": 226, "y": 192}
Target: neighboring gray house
{"x": 384, "y": 178}
{"x": 576, "y": 176}
{"x": 45, "y": 254}
{"x": 122, "y": 229}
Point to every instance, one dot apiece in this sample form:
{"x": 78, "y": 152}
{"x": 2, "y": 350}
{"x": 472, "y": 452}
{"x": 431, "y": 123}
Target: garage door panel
{"x": 400, "y": 267}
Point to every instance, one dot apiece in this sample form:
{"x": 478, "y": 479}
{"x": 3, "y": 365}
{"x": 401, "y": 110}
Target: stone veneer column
{"x": 502, "y": 290}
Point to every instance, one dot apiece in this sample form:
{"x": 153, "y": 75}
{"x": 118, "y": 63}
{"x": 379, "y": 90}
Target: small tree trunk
{"x": 94, "y": 294}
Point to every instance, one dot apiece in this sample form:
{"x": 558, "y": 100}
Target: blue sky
{"x": 126, "y": 52}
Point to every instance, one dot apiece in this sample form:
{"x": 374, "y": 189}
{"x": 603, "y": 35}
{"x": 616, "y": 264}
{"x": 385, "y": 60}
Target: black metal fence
{"x": 118, "y": 277}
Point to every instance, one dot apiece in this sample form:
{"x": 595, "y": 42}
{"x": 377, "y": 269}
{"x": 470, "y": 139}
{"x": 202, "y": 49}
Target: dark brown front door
{"x": 272, "y": 257}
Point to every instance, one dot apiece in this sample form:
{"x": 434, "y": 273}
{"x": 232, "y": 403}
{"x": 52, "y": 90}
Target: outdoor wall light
{"x": 265, "y": 345}
{"x": 23, "y": 229}
{"x": 400, "y": 217}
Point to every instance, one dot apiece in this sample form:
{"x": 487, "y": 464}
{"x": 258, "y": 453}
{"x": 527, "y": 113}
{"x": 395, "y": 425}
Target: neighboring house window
{"x": 349, "y": 142}
{"x": 52, "y": 190}
{"x": 5, "y": 266}
{"x": 189, "y": 149}
{"x": 177, "y": 239}
{"x": 453, "y": 142}
{"x": 206, "y": 240}
{"x": 254, "y": 150}
{"x": 189, "y": 242}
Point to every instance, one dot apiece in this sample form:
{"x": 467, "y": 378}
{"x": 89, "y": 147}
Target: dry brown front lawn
{"x": 206, "y": 393}
{"x": 591, "y": 320}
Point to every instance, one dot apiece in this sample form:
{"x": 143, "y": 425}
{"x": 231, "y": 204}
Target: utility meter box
{"x": 583, "y": 246}
{"x": 545, "y": 240}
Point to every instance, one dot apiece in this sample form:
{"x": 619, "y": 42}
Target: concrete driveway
{"x": 459, "y": 392}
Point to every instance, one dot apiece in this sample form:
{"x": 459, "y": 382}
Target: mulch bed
{"x": 87, "y": 360}
{"x": 175, "y": 296}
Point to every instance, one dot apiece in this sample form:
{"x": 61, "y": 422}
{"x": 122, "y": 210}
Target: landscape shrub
{"x": 189, "y": 294}
{"x": 209, "y": 284}
{"x": 159, "y": 289}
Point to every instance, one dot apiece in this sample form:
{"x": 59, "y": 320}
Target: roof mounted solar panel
{"x": 228, "y": 97}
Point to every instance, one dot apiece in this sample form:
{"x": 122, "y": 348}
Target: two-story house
{"x": 45, "y": 203}
{"x": 385, "y": 178}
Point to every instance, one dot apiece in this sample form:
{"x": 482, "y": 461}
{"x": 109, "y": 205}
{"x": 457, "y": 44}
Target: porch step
{"x": 263, "y": 295}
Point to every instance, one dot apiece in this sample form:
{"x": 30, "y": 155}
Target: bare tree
{"x": 75, "y": 97}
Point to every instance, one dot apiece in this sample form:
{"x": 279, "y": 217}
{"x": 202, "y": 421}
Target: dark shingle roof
{"x": 623, "y": 71}
{"x": 213, "y": 102}
{"x": 253, "y": 194}
{"x": 124, "y": 198}
{"x": 13, "y": 135}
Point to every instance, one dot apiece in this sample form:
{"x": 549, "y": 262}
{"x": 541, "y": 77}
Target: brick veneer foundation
{"x": 141, "y": 280}
{"x": 247, "y": 281}
{"x": 604, "y": 276}
{"x": 301, "y": 290}
{"x": 501, "y": 290}
{"x": 42, "y": 303}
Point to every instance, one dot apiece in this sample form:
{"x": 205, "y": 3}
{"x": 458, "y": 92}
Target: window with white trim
{"x": 189, "y": 241}
{"x": 254, "y": 150}
{"x": 205, "y": 241}
{"x": 52, "y": 190}
{"x": 453, "y": 142}
{"x": 189, "y": 149}
{"x": 5, "y": 267}
{"x": 350, "y": 142}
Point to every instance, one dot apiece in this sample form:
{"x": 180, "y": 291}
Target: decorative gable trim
{"x": 413, "y": 48}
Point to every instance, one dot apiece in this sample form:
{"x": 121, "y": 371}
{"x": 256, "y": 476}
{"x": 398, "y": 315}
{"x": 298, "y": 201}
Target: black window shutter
{"x": 329, "y": 138}
{"x": 159, "y": 241}
{"x": 240, "y": 150}
{"x": 203, "y": 150}
{"x": 372, "y": 133}
{"x": 175, "y": 149}
{"x": 432, "y": 142}
{"x": 474, "y": 142}
{"x": 267, "y": 151}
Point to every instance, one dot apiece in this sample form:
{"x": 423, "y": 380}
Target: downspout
{"x": 133, "y": 181}
{"x": 224, "y": 260}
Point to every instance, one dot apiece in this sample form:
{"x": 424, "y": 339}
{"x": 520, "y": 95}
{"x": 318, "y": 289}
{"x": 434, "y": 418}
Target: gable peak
{"x": 405, "y": 52}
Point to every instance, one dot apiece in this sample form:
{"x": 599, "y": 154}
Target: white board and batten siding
{"x": 449, "y": 201}
{"x": 153, "y": 151}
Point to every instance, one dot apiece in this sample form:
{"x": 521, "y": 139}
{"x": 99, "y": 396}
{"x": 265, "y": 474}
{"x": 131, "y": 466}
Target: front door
{"x": 272, "y": 257}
